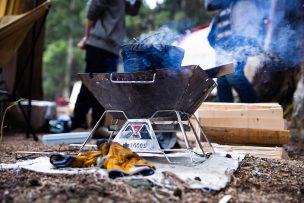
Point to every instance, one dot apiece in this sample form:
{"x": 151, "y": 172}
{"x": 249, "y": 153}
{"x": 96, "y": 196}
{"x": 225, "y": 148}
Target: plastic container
{"x": 65, "y": 138}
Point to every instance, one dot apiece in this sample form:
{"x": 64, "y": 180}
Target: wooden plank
{"x": 271, "y": 104}
{"x": 261, "y": 152}
{"x": 245, "y": 136}
{"x": 241, "y": 113}
{"x": 231, "y": 106}
{"x": 252, "y": 123}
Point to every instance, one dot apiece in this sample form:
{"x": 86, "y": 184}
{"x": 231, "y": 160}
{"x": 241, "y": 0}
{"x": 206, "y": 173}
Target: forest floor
{"x": 256, "y": 180}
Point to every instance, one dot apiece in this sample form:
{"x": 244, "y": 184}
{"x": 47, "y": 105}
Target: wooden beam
{"x": 269, "y": 105}
{"x": 261, "y": 152}
{"x": 240, "y": 136}
{"x": 252, "y": 123}
{"x": 241, "y": 113}
{"x": 245, "y": 136}
{"x": 231, "y": 106}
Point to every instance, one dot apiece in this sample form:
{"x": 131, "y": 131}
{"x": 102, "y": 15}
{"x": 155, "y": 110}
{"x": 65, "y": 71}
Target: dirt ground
{"x": 256, "y": 180}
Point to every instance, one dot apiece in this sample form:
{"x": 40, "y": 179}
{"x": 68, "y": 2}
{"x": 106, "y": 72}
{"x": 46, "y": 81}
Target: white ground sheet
{"x": 214, "y": 173}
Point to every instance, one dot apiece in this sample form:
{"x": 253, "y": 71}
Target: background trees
{"x": 62, "y": 60}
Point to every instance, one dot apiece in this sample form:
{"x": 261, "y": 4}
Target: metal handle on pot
{"x": 133, "y": 81}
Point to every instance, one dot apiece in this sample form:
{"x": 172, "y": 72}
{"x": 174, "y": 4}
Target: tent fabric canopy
{"x": 13, "y": 30}
{"x": 197, "y": 48}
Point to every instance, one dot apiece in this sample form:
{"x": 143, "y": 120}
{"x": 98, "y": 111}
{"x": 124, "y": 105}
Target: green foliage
{"x": 161, "y": 18}
{"x": 65, "y": 20}
{"x": 54, "y": 64}
{"x": 179, "y": 15}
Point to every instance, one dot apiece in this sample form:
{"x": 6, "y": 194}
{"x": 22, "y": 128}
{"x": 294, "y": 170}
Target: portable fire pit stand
{"x": 139, "y": 134}
{"x": 152, "y": 101}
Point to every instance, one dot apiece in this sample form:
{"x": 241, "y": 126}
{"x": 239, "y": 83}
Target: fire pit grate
{"x": 141, "y": 94}
{"x": 142, "y": 98}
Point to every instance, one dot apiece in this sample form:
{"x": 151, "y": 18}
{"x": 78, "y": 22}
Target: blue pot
{"x": 141, "y": 57}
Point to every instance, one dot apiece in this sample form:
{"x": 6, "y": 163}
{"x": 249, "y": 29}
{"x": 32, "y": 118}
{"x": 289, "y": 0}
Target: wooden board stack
{"x": 258, "y": 129}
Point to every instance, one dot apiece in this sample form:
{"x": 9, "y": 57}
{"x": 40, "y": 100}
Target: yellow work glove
{"x": 85, "y": 159}
{"x": 121, "y": 161}
{"x": 118, "y": 160}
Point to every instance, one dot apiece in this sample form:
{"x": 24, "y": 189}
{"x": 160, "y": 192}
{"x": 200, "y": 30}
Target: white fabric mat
{"x": 214, "y": 173}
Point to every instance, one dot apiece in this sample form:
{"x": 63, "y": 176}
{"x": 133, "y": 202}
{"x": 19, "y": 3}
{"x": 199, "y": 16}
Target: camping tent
{"x": 197, "y": 48}
{"x": 13, "y": 30}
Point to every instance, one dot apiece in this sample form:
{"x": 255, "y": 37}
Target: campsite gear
{"x": 61, "y": 161}
{"x": 13, "y": 31}
{"x": 118, "y": 160}
{"x": 60, "y": 125}
{"x": 146, "y": 97}
{"x": 141, "y": 57}
{"x": 99, "y": 142}
{"x": 101, "y": 132}
{"x": 182, "y": 90}
{"x": 41, "y": 113}
{"x": 85, "y": 159}
{"x": 65, "y": 138}
{"x": 166, "y": 140}
{"x": 121, "y": 161}
{"x": 30, "y": 154}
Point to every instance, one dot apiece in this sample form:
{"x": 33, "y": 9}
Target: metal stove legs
{"x": 201, "y": 131}
{"x": 96, "y": 126}
{"x": 189, "y": 149}
{"x": 179, "y": 115}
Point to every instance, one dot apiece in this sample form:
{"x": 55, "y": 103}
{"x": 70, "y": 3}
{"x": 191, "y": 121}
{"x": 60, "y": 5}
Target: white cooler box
{"x": 42, "y": 112}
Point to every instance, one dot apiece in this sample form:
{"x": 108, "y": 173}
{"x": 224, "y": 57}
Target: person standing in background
{"x": 235, "y": 35}
{"x": 104, "y": 34}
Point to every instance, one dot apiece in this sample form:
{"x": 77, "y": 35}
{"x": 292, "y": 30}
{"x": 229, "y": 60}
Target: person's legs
{"x": 81, "y": 108}
{"x": 97, "y": 61}
{"x": 101, "y": 62}
{"x": 84, "y": 101}
{"x": 242, "y": 86}
{"x": 224, "y": 91}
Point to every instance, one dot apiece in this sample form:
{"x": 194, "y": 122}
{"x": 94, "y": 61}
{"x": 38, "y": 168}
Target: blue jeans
{"x": 239, "y": 82}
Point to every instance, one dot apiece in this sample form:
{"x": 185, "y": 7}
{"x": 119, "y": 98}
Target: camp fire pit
{"x": 143, "y": 98}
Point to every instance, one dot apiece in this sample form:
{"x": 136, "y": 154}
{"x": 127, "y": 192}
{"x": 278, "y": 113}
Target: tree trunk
{"x": 70, "y": 57}
{"x": 68, "y": 69}
{"x": 298, "y": 102}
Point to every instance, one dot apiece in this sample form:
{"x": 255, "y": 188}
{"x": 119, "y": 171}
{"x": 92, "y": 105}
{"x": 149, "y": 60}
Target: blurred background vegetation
{"x": 65, "y": 27}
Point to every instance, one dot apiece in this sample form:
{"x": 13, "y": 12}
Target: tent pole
{"x": 30, "y": 59}
{"x": 29, "y": 109}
